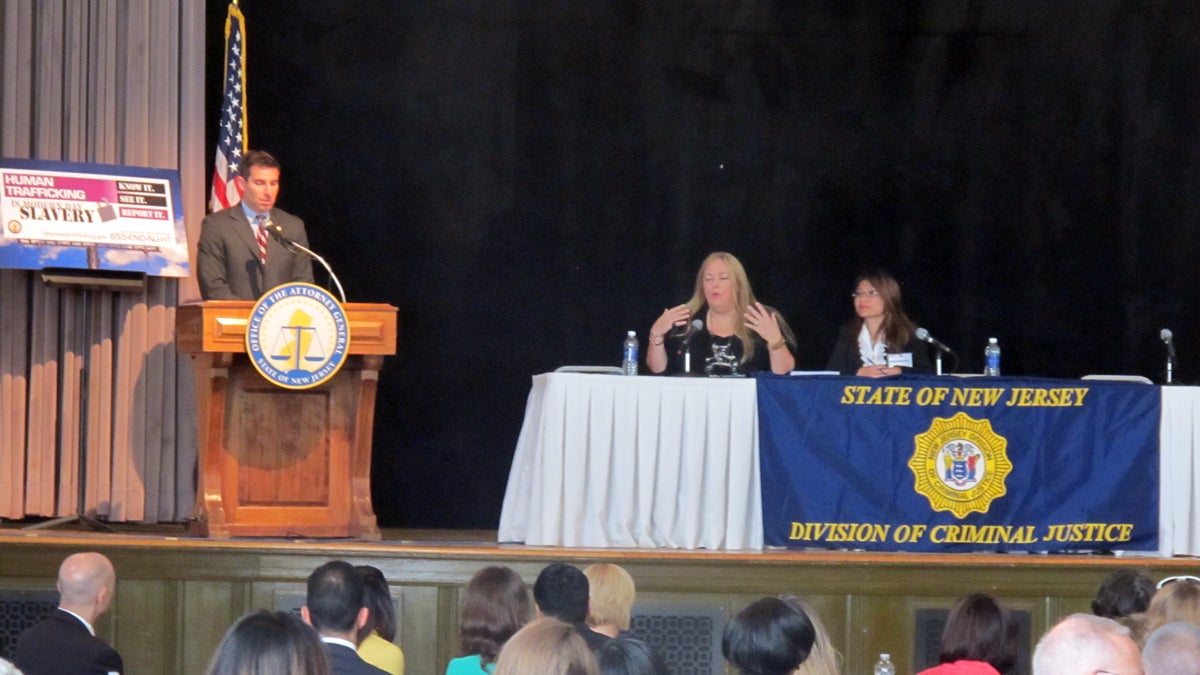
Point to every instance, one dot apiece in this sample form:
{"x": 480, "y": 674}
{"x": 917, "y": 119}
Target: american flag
{"x": 232, "y": 133}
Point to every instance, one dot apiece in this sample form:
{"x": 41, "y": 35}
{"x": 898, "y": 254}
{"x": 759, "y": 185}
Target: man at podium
{"x": 238, "y": 257}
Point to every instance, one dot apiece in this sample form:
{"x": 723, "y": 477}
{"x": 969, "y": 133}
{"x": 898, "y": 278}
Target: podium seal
{"x": 298, "y": 337}
{"x": 960, "y": 464}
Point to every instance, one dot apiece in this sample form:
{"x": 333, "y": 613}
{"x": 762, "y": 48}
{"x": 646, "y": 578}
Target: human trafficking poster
{"x": 91, "y": 216}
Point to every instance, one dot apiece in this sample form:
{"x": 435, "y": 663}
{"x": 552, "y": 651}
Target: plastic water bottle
{"x": 631, "y": 353}
{"x": 884, "y": 665}
{"x": 991, "y": 358}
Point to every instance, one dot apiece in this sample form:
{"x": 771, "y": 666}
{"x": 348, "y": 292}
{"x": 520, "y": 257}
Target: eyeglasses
{"x": 1171, "y": 580}
{"x": 865, "y": 294}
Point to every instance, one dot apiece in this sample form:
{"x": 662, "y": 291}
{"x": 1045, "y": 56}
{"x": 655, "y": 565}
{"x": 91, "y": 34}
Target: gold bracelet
{"x": 777, "y": 344}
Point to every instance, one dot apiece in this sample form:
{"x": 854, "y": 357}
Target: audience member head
{"x": 495, "y": 606}
{"x": 270, "y": 643}
{"x": 1177, "y": 599}
{"x": 561, "y": 591}
{"x": 771, "y": 636}
{"x": 1083, "y": 644}
{"x": 611, "y": 593}
{"x": 979, "y": 628}
{"x": 629, "y": 656}
{"x": 1173, "y": 649}
{"x": 86, "y": 583}
{"x": 377, "y": 598}
{"x": 335, "y": 603}
{"x": 546, "y": 646}
{"x": 822, "y": 659}
{"x": 1124, "y": 592}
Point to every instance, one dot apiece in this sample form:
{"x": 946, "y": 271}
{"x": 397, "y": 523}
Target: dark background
{"x": 528, "y": 180}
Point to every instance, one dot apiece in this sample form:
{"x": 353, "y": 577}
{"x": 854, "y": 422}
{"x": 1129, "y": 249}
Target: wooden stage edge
{"x": 177, "y": 594}
{"x": 481, "y": 544}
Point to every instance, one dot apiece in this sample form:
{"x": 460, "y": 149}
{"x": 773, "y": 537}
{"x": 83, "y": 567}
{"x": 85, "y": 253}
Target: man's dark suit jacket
{"x": 62, "y": 645}
{"x": 346, "y": 661}
{"x": 227, "y": 262}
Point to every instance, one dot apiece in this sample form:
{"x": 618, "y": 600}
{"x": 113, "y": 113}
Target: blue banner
{"x": 945, "y": 464}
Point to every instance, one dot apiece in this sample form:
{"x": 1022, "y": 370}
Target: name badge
{"x": 903, "y": 360}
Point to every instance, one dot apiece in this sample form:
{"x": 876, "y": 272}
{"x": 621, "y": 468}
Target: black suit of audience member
{"x": 346, "y": 661}
{"x": 62, "y": 645}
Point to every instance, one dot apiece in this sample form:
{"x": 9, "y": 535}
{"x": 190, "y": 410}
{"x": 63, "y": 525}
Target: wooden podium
{"x": 275, "y": 461}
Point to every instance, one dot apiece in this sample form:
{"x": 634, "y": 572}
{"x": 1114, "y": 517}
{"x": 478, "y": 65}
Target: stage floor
{"x": 458, "y": 543}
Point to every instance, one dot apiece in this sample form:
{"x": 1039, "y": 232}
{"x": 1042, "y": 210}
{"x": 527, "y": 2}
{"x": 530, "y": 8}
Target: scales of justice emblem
{"x": 298, "y": 336}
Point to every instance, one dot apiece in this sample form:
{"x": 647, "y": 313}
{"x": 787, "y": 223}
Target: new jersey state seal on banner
{"x": 298, "y": 336}
{"x": 960, "y": 464}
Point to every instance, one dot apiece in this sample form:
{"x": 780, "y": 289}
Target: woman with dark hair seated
{"x": 270, "y": 643}
{"x": 980, "y": 639}
{"x": 881, "y": 340}
{"x": 376, "y": 639}
{"x": 771, "y": 636}
{"x": 495, "y": 606}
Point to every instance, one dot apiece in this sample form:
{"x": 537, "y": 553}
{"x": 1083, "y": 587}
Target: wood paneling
{"x": 176, "y": 597}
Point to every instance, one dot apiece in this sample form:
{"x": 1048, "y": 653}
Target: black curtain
{"x": 529, "y": 180}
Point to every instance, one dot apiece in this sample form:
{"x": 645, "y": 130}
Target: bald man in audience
{"x": 65, "y": 643}
{"x": 1173, "y": 649}
{"x": 1082, "y": 644}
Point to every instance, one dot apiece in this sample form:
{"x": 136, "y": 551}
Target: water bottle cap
{"x": 631, "y": 333}
{"x": 885, "y": 657}
{"x": 992, "y": 341}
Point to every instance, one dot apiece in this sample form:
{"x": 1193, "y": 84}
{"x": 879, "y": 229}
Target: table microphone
{"x": 924, "y": 336}
{"x": 1168, "y": 337}
{"x": 694, "y": 327}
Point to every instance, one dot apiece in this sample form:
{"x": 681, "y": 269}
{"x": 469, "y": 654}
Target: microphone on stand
{"x": 276, "y": 231}
{"x": 1168, "y": 337}
{"x": 694, "y": 327}
{"x": 924, "y": 336}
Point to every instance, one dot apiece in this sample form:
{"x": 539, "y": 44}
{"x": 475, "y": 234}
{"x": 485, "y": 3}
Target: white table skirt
{"x": 636, "y": 462}
{"x": 609, "y": 461}
{"x": 1179, "y": 472}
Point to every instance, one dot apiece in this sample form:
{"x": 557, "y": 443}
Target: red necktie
{"x": 262, "y": 239}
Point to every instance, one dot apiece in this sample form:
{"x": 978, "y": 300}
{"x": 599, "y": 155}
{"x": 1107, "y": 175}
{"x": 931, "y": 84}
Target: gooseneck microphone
{"x": 276, "y": 231}
{"x": 1169, "y": 338}
{"x": 924, "y": 336}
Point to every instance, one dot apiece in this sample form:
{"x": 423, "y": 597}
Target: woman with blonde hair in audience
{"x": 377, "y": 638}
{"x": 1177, "y": 599}
{"x": 611, "y": 594}
{"x": 823, "y": 659}
{"x": 546, "y": 646}
{"x": 495, "y": 606}
{"x": 270, "y": 643}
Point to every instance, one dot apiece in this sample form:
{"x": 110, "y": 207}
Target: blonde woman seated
{"x": 1177, "y": 599}
{"x": 736, "y": 334}
{"x": 547, "y": 646}
{"x": 610, "y": 594}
